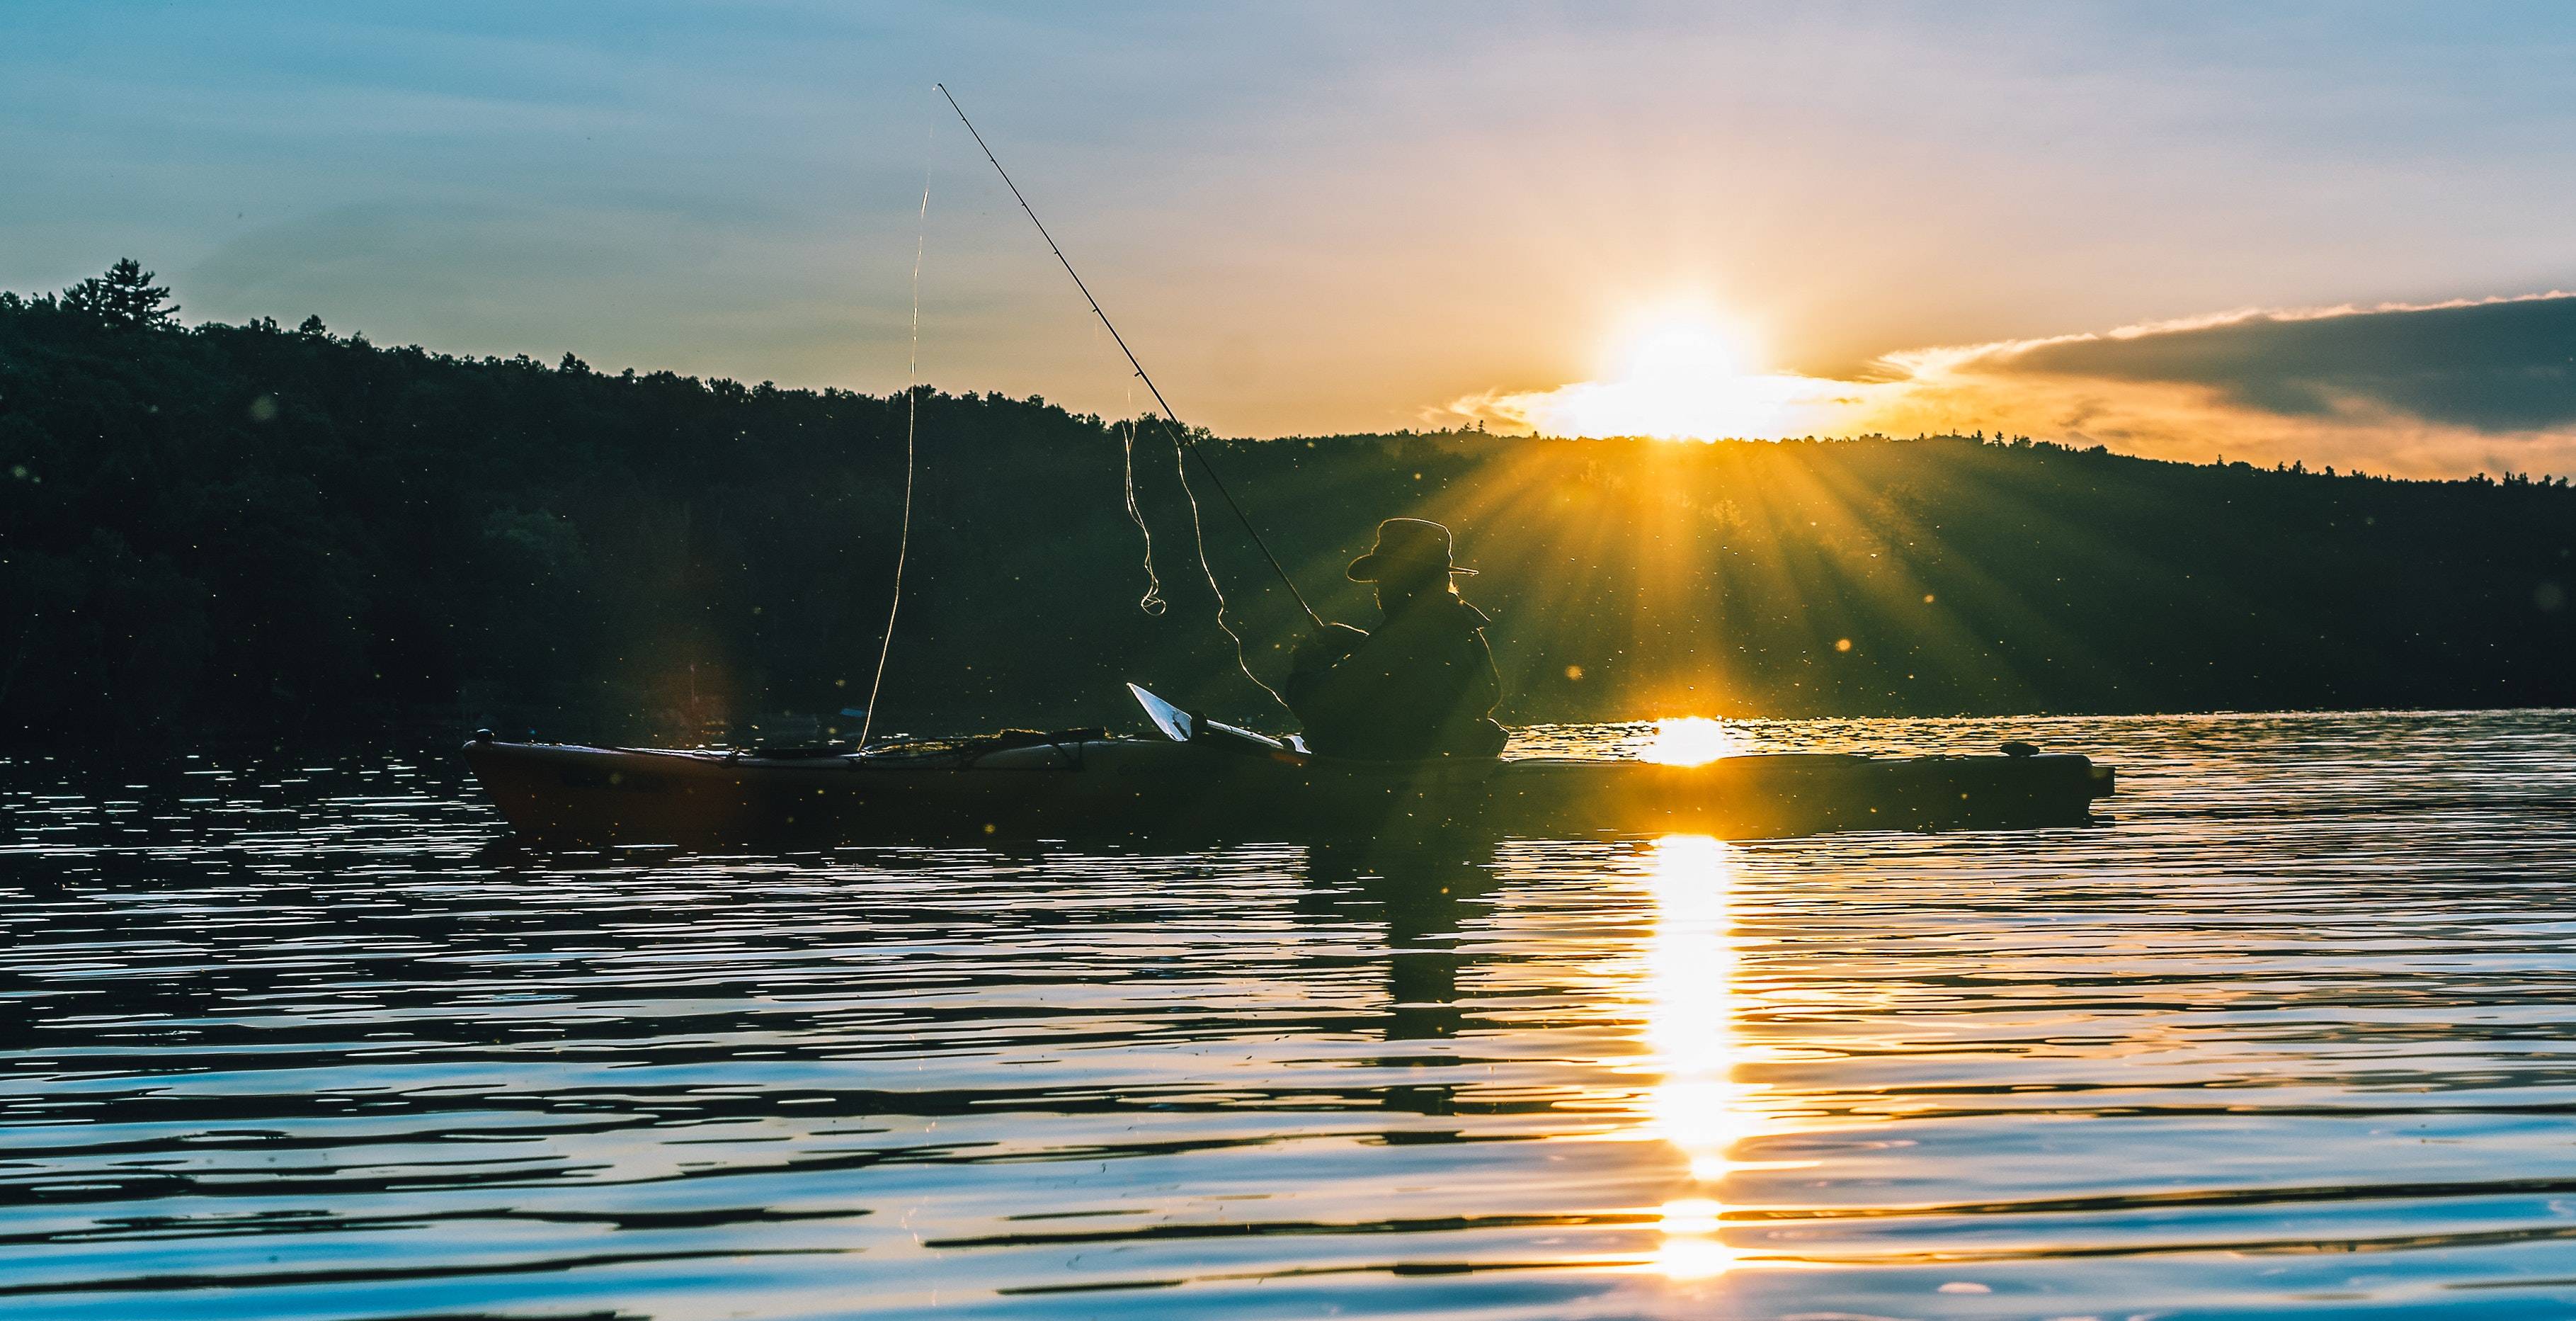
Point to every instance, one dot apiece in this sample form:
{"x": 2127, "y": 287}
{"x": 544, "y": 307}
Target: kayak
{"x": 1084, "y": 784}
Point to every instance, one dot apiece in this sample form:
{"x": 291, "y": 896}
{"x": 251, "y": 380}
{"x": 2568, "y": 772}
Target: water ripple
{"x": 2296, "y": 1029}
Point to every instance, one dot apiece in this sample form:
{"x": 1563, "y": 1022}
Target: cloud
{"x": 2501, "y": 366}
{"x": 2412, "y": 389}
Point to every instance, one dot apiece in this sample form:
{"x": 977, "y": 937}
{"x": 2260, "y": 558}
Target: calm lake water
{"x": 2294, "y": 1029}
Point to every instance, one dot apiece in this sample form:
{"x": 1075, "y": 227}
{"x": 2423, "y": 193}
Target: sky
{"x": 2318, "y": 233}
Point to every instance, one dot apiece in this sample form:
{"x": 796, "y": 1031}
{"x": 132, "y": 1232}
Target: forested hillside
{"x": 270, "y": 528}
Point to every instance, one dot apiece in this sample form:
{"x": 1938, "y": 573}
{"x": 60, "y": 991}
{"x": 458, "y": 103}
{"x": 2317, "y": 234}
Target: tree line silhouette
{"x": 299, "y": 532}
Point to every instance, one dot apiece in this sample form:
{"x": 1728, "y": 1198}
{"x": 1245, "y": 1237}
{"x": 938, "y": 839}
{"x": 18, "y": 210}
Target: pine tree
{"x": 125, "y": 297}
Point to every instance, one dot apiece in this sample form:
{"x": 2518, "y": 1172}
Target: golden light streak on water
{"x": 1698, "y": 1105}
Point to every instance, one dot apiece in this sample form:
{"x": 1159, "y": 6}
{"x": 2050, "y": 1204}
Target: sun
{"x": 1683, "y": 352}
{"x": 1683, "y": 375}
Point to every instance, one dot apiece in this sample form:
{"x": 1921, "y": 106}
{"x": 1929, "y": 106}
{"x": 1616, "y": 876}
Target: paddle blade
{"x": 1172, "y": 720}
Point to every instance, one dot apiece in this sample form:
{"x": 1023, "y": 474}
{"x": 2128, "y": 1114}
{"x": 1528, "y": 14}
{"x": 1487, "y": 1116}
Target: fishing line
{"x": 1152, "y": 602}
{"x": 1198, "y": 535}
{"x": 1181, "y": 434}
{"x": 911, "y": 424}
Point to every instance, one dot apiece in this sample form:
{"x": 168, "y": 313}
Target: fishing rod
{"x": 1187, "y": 441}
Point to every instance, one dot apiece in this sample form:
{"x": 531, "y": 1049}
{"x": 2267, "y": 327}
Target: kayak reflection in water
{"x": 1423, "y": 683}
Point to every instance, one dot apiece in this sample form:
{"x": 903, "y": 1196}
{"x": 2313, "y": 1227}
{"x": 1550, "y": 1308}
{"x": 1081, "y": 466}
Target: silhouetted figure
{"x": 1421, "y": 685}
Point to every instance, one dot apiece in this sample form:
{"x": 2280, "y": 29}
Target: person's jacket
{"x": 1420, "y": 686}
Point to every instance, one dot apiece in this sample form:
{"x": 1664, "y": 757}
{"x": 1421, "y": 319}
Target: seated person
{"x": 1423, "y": 683}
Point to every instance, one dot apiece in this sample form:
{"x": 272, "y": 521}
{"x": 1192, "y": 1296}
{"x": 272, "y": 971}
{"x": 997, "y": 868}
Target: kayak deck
{"x": 1094, "y": 787}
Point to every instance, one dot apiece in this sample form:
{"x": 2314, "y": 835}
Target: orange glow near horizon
{"x": 1682, "y": 375}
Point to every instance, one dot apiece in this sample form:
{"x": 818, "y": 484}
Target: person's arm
{"x": 1489, "y": 681}
{"x": 1326, "y": 647}
{"x": 1310, "y": 667}
{"x": 1484, "y": 685}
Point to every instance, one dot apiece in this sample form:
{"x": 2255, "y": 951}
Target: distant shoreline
{"x": 268, "y": 528}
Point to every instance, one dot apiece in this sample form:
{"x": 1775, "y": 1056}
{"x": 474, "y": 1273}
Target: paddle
{"x": 1172, "y": 720}
{"x": 1181, "y": 727}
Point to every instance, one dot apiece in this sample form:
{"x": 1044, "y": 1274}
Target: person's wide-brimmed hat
{"x": 1406, "y": 548}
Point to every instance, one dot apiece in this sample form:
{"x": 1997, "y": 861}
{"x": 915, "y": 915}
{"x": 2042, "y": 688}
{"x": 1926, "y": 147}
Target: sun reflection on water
{"x": 1690, "y": 1026}
{"x": 1691, "y": 741}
